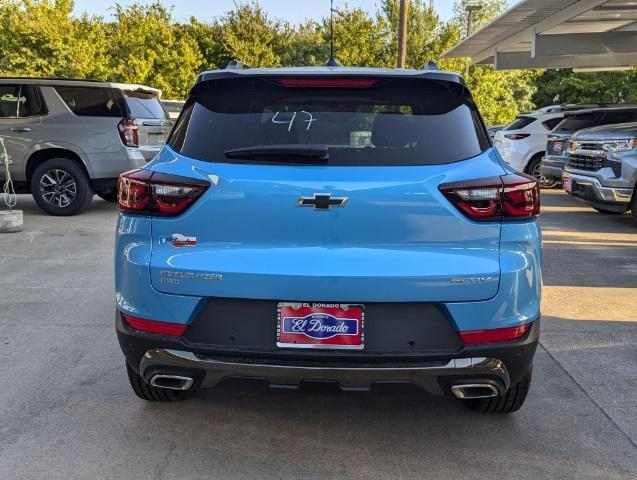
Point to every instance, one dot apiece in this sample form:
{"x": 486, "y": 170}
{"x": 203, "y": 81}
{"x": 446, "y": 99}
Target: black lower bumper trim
{"x": 144, "y": 351}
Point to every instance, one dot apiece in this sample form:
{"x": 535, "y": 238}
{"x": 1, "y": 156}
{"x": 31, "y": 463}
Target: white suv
{"x": 522, "y": 143}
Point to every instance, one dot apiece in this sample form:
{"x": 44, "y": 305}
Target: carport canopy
{"x": 585, "y": 35}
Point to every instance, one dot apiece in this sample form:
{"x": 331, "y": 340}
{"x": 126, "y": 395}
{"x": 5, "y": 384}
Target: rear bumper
{"x": 110, "y": 165}
{"x": 500, "y": 365}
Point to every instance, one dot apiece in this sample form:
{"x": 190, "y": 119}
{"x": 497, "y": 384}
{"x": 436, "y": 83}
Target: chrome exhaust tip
{"x": 171, "y": 382}
{"x": 474, "y": 390}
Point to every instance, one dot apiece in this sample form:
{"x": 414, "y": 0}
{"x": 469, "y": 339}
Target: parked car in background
{"x": 602, "y": 168}
{"x": 557, "y": 146}
{"x": 173, "y": 107}
{"x": 146, "y": 112}
{"x": 246, "y": 249}
{"x": 522, "y": 143}
{"x": 69, "y": 138}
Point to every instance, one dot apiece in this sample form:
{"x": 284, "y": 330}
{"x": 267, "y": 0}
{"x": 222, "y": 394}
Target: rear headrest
{"x": 392, "y": 130}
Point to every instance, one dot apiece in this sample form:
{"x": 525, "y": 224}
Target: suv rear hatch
{"x": 151, "y": 119}
{"x": 327, "y": 189}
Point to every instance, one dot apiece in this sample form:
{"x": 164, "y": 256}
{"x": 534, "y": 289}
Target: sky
{"x": 294, "y": 11}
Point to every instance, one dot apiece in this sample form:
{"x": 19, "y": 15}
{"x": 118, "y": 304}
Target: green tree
{"x": 306, "y": 45}
{"x": 144, "y": 47}
{"x": 566, "y": 86}
{"x": 41, "y": 38}
{"x": 249, "y": 35}
{"x": 209, "y": 38}
{"x": 359, "y": 39}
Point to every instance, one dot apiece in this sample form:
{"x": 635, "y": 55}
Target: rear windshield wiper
{"x": 284, "y": 153}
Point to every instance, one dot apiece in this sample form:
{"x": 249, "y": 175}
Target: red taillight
{"x": 153, "y": 326}
{"x": 494, "y": 336}
{"x": 129, "y": 132}
{"x": 343, "y": 82}
{"x": 141, "y": 191}
{"x": 510, "y": 197}
{"x": 517, "y": 136}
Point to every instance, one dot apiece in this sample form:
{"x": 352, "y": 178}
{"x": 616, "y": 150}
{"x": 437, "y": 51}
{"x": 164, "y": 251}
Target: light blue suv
{"x": 348, "y": 225}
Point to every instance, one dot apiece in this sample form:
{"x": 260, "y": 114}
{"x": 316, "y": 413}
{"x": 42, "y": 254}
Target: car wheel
{"x": 155, "y": 394}
{"x": 535, "y": 171}
{"x": 607, "y": 212}
{"x": 633, "y": 206}
{"x": 509, "y": 402}
{"x": 61, "y": 187}
{"x": 109, "y": 196}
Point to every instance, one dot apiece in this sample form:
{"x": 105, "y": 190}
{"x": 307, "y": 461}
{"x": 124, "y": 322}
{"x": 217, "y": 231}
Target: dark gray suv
{"x": 67, "y": 139}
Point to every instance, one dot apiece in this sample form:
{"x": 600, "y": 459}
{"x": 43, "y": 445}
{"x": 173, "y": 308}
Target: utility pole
{"x": 402, "y": 33}
{"x": 470, "y": 7}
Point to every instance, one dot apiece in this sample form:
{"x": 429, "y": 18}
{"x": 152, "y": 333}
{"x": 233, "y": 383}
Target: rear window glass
{"x": 519, "y": 123}
{"x": 396, "y": 122}
{"x": 574, "y": 123}
{"x": 552, "y": 123}
{"x": 142, "y": 105}
{"x": 91, "y": 101}
{"x": 172, "y": 107}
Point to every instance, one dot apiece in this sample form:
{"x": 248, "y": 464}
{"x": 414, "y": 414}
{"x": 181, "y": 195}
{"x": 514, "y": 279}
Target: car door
{"x": 21, "y": 110}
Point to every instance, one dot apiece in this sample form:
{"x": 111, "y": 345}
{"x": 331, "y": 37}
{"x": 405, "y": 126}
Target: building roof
{"x": 581, "y": 34}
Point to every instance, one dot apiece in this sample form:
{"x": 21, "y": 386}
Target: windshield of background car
{"x": 573, "y": 123}
{"x": 144, "y": 105}
{"x": 392, "y": 122}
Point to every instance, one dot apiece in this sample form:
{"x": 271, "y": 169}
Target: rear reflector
{"x": 342, "y": 82}
{"x": 152, "y": 326}
{"x": 495, "y": 335}
{"x": 141, "y": 191}
{"x": 510, "y": 197}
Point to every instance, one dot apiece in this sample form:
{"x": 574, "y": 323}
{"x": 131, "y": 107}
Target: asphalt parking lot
{"x": 67, "y": 411}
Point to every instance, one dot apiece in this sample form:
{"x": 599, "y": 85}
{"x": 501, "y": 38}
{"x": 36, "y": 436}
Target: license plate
{"x": 156, "y": 139}
{"x": 557, "y": 147}
{"x": 320, "y": 325}
{"x": 567, "y": 184}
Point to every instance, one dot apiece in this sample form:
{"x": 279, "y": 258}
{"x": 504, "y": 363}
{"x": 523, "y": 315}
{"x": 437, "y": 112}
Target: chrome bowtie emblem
{"x": 322, "y": 201}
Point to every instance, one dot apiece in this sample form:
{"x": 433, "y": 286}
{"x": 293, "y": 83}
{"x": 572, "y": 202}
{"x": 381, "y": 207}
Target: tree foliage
{"x": 144, "y": 44}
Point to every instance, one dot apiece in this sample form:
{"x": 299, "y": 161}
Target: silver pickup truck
{"x": 602, "y": 168}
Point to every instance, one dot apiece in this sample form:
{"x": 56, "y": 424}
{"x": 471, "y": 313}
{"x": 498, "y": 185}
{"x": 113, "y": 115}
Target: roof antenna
{"x": 332, "y": 62}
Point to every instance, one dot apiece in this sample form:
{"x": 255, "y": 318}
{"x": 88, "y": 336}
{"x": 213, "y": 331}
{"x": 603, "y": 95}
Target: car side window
{"x": 18, "y": 101}
{"x": 91, "y": 101}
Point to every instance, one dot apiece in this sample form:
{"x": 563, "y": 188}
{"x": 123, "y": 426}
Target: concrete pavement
{"x": 67, "y": 411}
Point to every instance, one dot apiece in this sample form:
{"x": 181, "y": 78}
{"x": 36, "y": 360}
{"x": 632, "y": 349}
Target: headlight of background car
{"x": 620, "y": 145}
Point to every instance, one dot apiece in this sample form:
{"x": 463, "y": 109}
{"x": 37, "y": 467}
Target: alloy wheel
{"x": 544, "y": 182}
{"x": 58, "y": 188}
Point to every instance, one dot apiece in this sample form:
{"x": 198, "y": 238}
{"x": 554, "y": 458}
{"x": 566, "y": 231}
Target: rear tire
{"x": 509, "y": 402}
{"x": 534, "y": 169}
{"x": 61, "y": 187}
{"x": 155, "y": 394}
